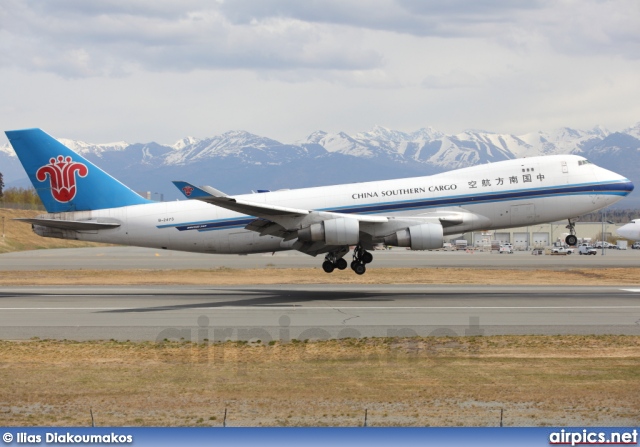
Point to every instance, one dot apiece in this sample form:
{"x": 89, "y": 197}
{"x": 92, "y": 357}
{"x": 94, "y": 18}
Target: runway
{"x": 145, "y": 258}
{"x": 312, "y": 312}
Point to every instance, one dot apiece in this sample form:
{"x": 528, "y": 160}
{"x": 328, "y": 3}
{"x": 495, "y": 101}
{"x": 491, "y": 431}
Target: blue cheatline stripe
{"x": 621, "y": 188}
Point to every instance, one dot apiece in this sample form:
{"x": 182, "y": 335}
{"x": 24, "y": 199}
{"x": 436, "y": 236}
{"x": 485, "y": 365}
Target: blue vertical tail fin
{"x": 64, "y": 180}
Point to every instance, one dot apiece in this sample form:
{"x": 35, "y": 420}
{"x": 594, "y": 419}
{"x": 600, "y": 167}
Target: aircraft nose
{"x": 618, "y": 184}
{"x": 624, "y": 184}
{"x": 627, "y": 185}
{"x": 625, "y": 231}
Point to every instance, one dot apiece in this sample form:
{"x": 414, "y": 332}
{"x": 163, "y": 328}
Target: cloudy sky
{"x": 159, "y": 70}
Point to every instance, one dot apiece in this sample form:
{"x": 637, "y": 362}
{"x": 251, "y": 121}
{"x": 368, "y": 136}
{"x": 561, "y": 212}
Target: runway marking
{"x": 631, "y": 290}
{"x": 293, "y": 306}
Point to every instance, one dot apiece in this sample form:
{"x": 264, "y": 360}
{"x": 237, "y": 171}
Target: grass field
{"x": 537, "y": 380}
{"x": 227, "y": 276}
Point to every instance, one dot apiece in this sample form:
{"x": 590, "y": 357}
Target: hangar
{"x": 540, "y": 236}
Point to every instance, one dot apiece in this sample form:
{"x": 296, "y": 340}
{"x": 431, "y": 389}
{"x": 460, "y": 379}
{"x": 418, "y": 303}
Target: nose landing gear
{"x": 571, "y": 240}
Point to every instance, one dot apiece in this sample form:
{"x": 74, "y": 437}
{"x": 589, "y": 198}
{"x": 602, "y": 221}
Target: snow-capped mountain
{"x": 251, "y": 148}
{"x": 238, "y": 161}
{"x": 86, "y": 148}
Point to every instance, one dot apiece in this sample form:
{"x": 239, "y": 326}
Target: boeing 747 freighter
{"x": 85, "y": 203}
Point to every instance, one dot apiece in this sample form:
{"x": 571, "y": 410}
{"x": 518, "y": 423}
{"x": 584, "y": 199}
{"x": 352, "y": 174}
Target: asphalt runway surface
{"x": 144, "y": 258}
{"x": 302, "y": 312}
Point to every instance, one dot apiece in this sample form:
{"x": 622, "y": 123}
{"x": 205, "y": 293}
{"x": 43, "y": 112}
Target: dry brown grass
{"x": 226, "y": 276}
{"x": 538, "y": 380}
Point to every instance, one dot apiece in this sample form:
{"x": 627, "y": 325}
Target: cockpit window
{"x": 583, "y": 162}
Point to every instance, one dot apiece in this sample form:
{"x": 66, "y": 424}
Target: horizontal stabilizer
{"x": 197, "y": 192}
{"x": 80, "y": 225}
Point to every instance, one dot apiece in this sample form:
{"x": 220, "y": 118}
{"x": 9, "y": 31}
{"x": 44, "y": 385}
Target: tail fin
{"x": 64, "y": 180}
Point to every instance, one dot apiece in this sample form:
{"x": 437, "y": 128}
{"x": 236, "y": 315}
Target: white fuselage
{"x": 630, "y": 230}
{"x": 499, "y": 195}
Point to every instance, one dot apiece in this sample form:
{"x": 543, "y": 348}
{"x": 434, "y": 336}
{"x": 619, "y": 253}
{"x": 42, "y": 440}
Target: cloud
{"x": 77, "y": 38}
{"x": 106, "y": 38}
{"x": 451, "y": 80}
{"x": 568, "y": 26}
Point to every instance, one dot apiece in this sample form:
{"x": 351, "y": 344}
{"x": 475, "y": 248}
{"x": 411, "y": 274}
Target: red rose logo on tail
{"x": 187, "y": 190}
{"x": 62, "y": 176}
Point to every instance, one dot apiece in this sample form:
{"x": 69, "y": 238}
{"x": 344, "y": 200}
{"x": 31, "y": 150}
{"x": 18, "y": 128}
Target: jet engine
{"x": 341, "y": 231}
{"x": 419, "y": 237}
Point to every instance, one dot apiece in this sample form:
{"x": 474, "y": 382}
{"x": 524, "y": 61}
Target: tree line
{"x": 19, "y": 197}
{"x": 620, "y": 216}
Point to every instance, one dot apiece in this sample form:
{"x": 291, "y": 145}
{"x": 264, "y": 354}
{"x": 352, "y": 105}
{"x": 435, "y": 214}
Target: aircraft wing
{"x": 80, "y": 225}
{"x": 273, "y": 213}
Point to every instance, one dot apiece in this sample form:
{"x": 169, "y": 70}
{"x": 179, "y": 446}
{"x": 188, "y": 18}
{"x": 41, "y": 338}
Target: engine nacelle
{"x": 341, "y": 231}
{"x": 419, "y": 237}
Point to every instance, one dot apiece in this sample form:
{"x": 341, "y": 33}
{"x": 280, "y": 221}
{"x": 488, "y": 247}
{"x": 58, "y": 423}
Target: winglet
{"x": 194, "y": 192}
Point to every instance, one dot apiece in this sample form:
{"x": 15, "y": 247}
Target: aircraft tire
{"x": 360, "y": 269}
{"x": 341, "y": 264}
{"x": 571, "y": 240}
{"x": 367, "y": 257}
{"x": 327, "y": 266}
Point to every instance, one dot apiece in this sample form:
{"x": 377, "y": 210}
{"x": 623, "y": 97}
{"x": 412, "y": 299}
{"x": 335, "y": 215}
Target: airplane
{"x": 630, "y": 230}
{"x": 85, "y": 203}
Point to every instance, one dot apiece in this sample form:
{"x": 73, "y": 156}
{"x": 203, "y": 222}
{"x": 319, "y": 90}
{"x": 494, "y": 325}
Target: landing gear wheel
{"x": 327, "y": 266}
{"x": 341, "y": 264}
{"x": 571, "y": 240}
{"x": 360, "y": 258}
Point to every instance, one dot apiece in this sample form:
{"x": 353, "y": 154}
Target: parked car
{"x": 636, "y": 246}
{"x": 506, "y": 248}
{"x": 537, "y": 251}
{"x": 562, "y": 250}
{"x": 587, "y": 250}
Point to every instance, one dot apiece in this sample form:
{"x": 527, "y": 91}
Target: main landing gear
{"x": 571, "y": 240}
{"x": 335, "y": 260}
{"x": 360, "y": 258}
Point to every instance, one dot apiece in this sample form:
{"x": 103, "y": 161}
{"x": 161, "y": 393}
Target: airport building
{"x": 541, "y": 235}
